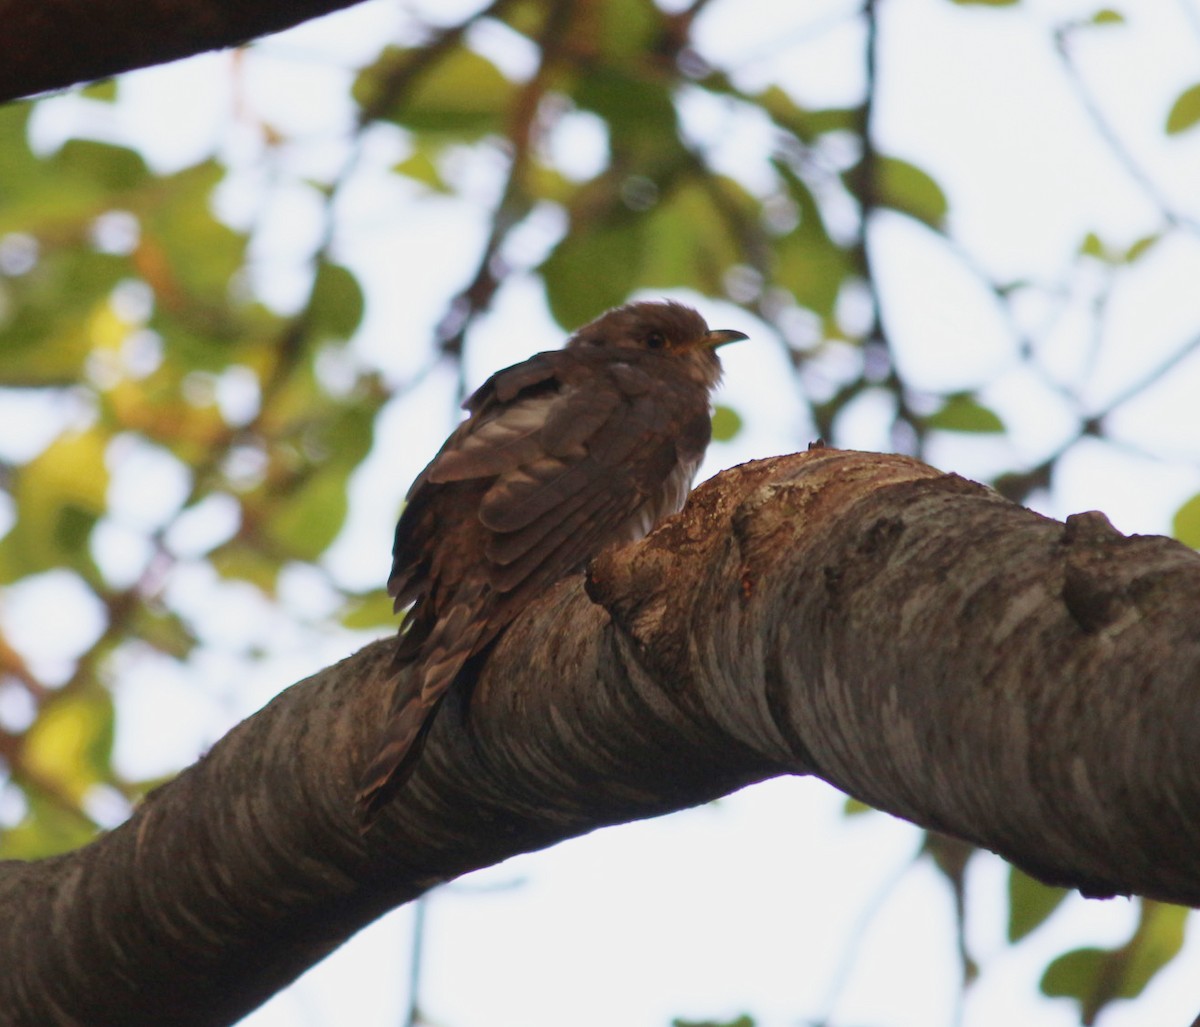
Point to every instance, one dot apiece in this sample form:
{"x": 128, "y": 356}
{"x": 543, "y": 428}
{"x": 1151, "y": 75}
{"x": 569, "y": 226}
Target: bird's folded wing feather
{"x": 548, "y": 422}
{"x": 461, "y": 458}
{"x": 548, "y": 516}
{"x": 575, "y": 465}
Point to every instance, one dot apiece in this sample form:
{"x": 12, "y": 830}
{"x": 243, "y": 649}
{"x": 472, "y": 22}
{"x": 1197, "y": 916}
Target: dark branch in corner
{"x": 53, "y": 44}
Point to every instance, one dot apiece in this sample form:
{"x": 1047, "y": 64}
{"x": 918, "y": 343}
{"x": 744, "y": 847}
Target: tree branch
{"x": 909, "y": 636}
{"x": 52, "y": 44}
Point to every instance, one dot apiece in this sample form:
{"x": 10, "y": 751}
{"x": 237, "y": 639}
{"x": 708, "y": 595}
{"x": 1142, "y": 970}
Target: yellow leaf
{"x": 71, "y": 741}
{"x": 69, "y": 472}
{"x": 59, "y": 496}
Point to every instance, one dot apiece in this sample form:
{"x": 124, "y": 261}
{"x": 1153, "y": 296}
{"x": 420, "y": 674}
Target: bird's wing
{"x": 465, "y": 455}
{"x": 528, "y": 437}
{"x": 520, "y": 414}
{"x": 552, "y": 513}
{"x": 445, "y": 645}
{"x": 567, "y": 463}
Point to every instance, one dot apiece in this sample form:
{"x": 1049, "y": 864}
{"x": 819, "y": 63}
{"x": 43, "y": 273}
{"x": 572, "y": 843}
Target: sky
{"x": 762, "y": 902}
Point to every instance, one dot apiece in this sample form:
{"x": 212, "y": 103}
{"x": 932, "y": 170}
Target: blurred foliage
{"x": 741, "y": 1021}
{"x": 1093, "y": 977}
{"x": 964, "y": 413}
{"x": 130, "y": 303}
{"x": 1185, "y": 111}
{"x": 1030, "y": 903}
{"x": 1186, "y": 525}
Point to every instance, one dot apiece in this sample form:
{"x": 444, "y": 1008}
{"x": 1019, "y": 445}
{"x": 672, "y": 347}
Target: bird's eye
{"x": 655, "y": 340}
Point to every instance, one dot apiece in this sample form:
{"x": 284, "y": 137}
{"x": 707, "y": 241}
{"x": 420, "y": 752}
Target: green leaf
{"x": 624, "y": 29}
{"x": 1186, "y": 524}
{"x": 211, "y": 339}
{"x": 53, "y": 311}
{"x": 1107, "y": 16}
{"x": 1095, "y": 977}
{"x": 1157, "y": 941}
{"x": 528, "y": 17}
{"x": 47, "y": 829}
{"x": 595, "y": 267}
{"x": 186, "y": 254}
{"x": 369, "y": 611}
{"x": 1092, "y": 246}
{"x": 726, "y": 423}
{"x": 1074, "y": 974}
{"x": 963, "y": 413}
{"x": 463, "y": 94}
{"x": 310, "y": 518}
{"x": 741, "y": 1021}
{"x": 689, "y": 243}
{"x": 906, "y": 188}
{"x": 240, "y": 561}
{"x": 420, "y": 167}
{"x": 21, "y": 167}
{"x": 1185, "y": 111}
{"x": 640, "y": 115}
{"x": 806, "y": 260}
{"x": 336, "y": 302}
{"x": 547, "y": 183}
{"x": 60, "y": 194}
{"x": 949, "y": 855}
{"x": 1030, "y": 903}
{"x": 108, "y": 167}
{"x": 104, "y": 90}
{"x": 59, "y": 496}
{"x": 305, "y": 519}
{"x": 164, "y": 630}
{"x": 1140, "y": 247}
{"x": 155, "y": 408}
{"x": 853, "y": 807}
{"x": 806, "y": 124}
{"x": 71, "y": 741}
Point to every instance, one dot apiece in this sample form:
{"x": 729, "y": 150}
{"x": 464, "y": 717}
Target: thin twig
{"x": 413, "y": 1017}
{"x": 467, "y": 305}
{"x": 1122, "y": 154}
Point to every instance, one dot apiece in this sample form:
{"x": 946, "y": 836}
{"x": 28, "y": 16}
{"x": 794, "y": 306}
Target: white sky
{"x": 750, "y": 905}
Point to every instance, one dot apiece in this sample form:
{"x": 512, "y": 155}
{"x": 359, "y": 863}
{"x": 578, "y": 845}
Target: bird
{"x": 560, "y": 457}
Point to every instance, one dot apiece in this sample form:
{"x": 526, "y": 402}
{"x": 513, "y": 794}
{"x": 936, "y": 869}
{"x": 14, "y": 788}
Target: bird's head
{"x": 665, "y": 327}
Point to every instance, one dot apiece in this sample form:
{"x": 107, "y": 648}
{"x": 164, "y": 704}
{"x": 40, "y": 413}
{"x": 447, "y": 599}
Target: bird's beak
{"x": 721, "y": 336}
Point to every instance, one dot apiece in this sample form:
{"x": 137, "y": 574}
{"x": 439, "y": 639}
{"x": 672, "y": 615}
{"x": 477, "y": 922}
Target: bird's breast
{"x": 668, "y": 500}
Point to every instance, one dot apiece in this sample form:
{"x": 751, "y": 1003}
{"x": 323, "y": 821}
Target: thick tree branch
{"x": 907, "y": 635}
{"x": 51, "y": 44}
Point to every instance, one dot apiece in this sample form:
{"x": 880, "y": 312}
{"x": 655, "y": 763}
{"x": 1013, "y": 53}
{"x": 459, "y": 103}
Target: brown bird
{"x": 561, "y": 456}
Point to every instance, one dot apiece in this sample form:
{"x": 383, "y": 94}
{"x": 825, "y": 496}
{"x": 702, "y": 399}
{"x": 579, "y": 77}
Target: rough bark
{"x": 909, "y": 636}
{"x": 51, "y": 44}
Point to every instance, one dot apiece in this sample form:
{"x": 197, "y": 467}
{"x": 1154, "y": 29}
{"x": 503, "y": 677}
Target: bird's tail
{"x": 398, "y": 754}
{"x": 453, "y": 640}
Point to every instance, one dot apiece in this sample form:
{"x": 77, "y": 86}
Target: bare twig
{"x": 1106, "y": 131}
